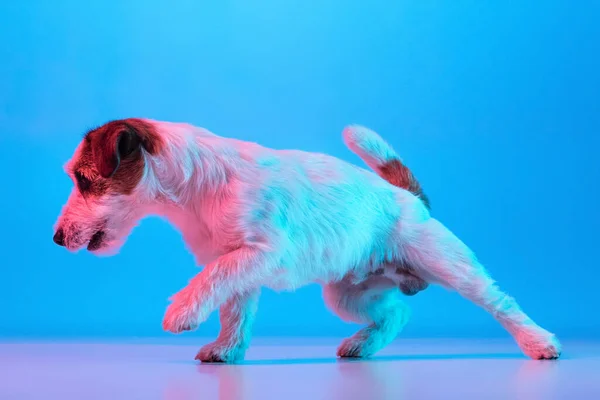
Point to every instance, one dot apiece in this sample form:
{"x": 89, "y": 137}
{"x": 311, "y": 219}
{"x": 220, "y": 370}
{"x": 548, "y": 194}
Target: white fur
{"x": 258, "y": 217}
{"x": 374, "y": 151}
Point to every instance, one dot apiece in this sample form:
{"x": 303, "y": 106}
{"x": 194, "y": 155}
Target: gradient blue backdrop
{"x": 495, "y": 107}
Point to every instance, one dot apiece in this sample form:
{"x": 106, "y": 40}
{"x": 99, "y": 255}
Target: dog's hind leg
{"x": 441, "y": 257}
{"x": 375, "y": 302}
{"x": 237, "y": 317}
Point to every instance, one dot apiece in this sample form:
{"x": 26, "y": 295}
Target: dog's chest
{"x": 197, "y": 237}
{"x": 201, "y": 245}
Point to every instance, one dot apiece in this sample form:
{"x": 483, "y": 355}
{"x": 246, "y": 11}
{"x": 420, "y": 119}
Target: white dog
{"x": 280, "y": 219}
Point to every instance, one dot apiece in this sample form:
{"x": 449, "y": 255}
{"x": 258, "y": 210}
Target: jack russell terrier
{"x": 258, "y": 217}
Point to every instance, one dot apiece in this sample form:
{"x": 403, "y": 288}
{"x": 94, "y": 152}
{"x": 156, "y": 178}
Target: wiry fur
{"x": 257, "y": 217}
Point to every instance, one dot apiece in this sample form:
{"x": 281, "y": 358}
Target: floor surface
{"x": 295, "y": 369}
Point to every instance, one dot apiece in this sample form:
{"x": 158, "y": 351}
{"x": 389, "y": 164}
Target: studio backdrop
{"x": 494, "y": 106}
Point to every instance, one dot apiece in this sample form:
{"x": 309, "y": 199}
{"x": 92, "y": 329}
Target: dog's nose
{"x": 59, "y": 237}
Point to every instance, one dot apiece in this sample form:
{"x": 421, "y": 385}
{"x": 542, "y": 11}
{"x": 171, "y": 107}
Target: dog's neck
{"x": 189, "y": 168}
{"x": 188, "y": 181}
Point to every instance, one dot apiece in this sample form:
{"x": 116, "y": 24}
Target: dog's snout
{"x": 59, "y": 237}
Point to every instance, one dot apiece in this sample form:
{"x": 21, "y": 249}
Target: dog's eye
{"x": 83, "y": 182}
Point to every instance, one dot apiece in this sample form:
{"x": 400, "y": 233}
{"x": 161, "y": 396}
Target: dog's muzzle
{"x": 95, "y": 243}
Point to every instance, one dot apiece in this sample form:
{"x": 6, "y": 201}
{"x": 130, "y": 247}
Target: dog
{"x": 257, "y": 217}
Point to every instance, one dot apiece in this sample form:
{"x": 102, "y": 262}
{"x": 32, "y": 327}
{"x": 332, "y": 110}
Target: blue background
{"x": 494, "y": 106}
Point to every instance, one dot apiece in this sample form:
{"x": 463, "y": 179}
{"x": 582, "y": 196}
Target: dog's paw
{"x": 179, "y": 318}
{"x": 355, "y": 347}
{"x": 217, "y": 352}
{"x": 539, "y": 345}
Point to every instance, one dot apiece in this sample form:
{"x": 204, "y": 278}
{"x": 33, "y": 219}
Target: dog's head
{"x": 106, "y": 202}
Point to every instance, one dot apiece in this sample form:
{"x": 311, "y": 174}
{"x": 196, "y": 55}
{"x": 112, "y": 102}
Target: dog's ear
{"x": 114, "y": 147}
{"x": 121, "y": 141}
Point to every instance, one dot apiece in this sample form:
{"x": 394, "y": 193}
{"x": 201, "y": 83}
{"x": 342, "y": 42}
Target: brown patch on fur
{"x": 85, "y": 167}
{"x": 404, "y": 269}
{"x": 399, "y": 175}
{"x": 111, "y": 156}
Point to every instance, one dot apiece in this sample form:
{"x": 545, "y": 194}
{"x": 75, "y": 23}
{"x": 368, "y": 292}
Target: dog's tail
{"x": 382, "y": 158}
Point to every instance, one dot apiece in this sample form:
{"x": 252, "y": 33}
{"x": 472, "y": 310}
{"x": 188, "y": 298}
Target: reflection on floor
{"x": 291, "y": 369}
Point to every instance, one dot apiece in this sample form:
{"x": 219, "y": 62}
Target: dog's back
{"x": 328, "y": 215}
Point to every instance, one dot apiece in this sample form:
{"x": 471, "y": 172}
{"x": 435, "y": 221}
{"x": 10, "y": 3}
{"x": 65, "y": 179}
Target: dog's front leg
{"x": 235, "y": 273}
{"x": 237, "y": 317}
